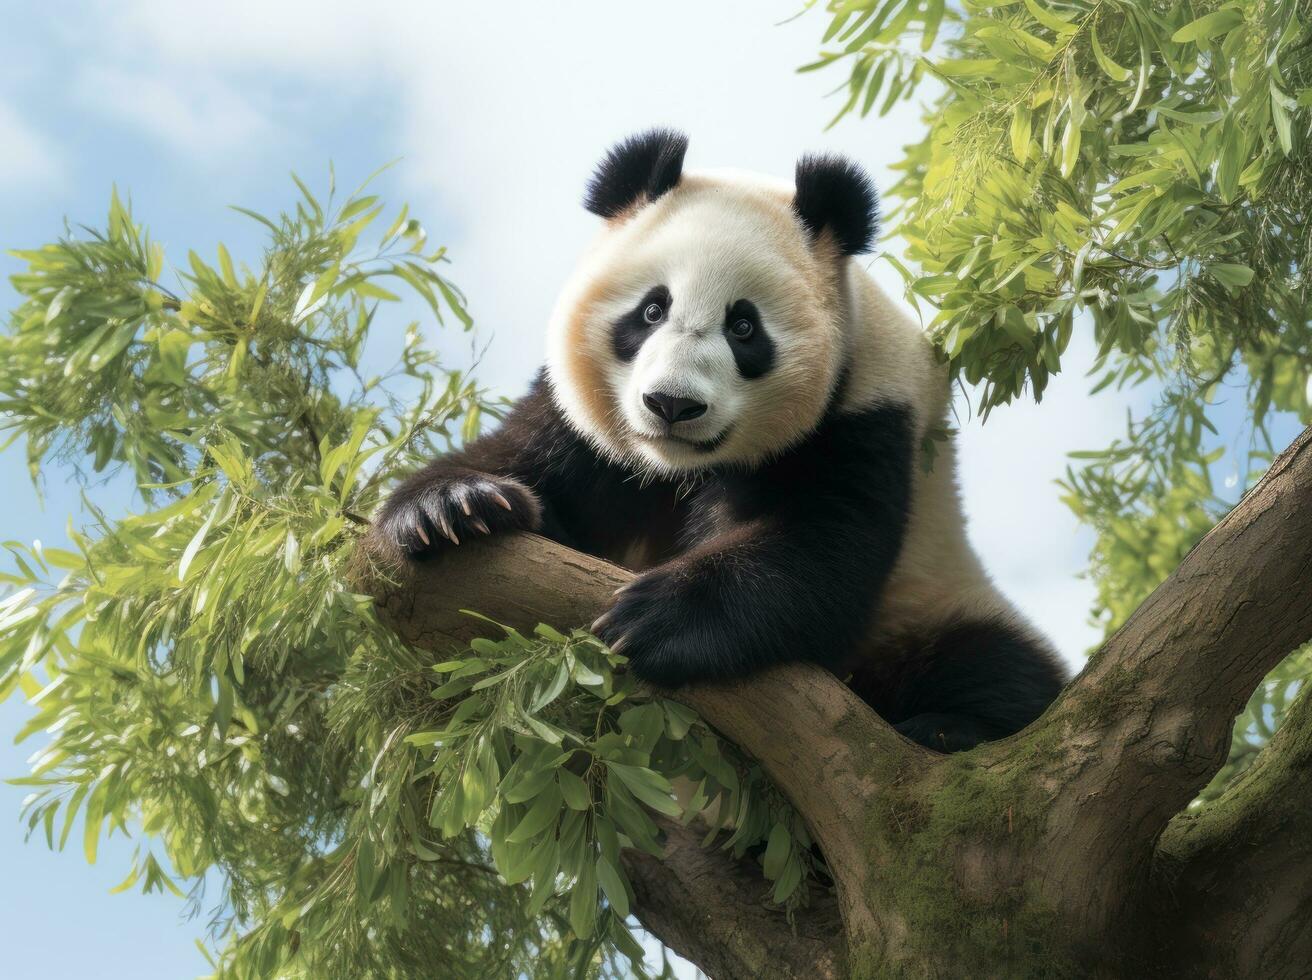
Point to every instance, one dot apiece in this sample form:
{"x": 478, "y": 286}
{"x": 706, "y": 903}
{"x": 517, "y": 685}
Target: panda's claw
{"x": 443, "y": 506}
{"x": 601, "y": 622}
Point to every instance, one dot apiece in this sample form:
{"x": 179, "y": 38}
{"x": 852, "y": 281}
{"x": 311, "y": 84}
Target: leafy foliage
{"x": 1136, "y": 169}
{"x": 210, "y": 680}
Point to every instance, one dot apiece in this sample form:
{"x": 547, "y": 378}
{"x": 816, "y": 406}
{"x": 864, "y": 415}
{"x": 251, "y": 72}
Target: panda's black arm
{"x": 791, "y": 564}
{"x": 529, "y": 474}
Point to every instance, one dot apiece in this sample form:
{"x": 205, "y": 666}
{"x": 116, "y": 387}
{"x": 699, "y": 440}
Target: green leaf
{"x": 94, "y": 816}
{"x": 1209, "y": 25}
{"x": 612, "y": 884}
{"x": 1231, "y": 273}
{"x": 1020, "y": 132}
{"x": 544, "y": 813}
{"x": 291, "y": 554}
{"x": 357, "y": 206}
{"x": 371, "y": 290}
{"x": 583, "y": 901}
{"x": 133, "y": 874}
{"x": 789, "y": 878}
{"x": 1049, "y": 19}
{"x": 1109, "y": 67}
{"x": 195, "y": 544}
{"x": 552, "y": 690}
{"x": 574, "y": 790}
{"x": 326, "y": 281}
{"x": 528, "y": 784}
{"x": 1070, "y": 146}
{"x": 258, "y": 303}
{"x": 678, "y": 718}
{"x": 777, "y": 850}
{"x": 543, "y": 869}
{"x": 225, "y": 265}
{"x": 1281, "y": 120}
{"x": 651, "y": 788}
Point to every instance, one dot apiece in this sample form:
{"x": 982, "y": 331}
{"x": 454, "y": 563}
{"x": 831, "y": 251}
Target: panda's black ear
{"x": 836, "y": 195}
{"x": 647, "y": 164}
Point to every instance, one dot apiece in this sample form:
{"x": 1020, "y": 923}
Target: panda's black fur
{"x": 836, "y": 194}
{"x": 746, "y": 566}
{"x": 642, "y": 167}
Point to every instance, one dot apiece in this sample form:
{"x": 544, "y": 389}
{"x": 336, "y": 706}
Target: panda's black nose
{"x": 673, "y": 409}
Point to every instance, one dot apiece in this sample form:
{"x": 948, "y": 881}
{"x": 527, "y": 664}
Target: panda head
{"x": 705, "y": 327}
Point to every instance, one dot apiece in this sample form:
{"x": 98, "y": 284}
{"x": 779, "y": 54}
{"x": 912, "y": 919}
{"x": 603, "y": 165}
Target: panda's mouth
{"x": 697, "y": 445}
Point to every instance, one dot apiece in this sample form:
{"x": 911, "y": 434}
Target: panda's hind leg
{"x": 974, "y": 681}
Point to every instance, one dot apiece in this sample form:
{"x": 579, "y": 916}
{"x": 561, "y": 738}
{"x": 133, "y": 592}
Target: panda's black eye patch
{"x": 753, "y": 350}
{"x": 633, "y": 328}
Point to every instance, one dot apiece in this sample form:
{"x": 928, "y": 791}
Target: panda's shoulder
{"x": 890, "y": 360}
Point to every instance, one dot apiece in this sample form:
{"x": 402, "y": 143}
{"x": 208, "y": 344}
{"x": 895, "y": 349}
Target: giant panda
{"x": 732, "y": 408}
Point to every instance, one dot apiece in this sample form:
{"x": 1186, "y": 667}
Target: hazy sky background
{"x": 497, "y": 112}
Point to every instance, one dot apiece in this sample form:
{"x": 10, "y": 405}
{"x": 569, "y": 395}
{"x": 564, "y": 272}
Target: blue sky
{"x": 496, "y": 119}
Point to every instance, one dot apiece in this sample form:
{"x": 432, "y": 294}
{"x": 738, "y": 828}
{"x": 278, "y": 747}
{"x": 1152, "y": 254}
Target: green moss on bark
{"x": 957, "y": 897}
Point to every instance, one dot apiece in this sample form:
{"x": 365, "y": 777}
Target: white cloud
{"x": 28, "y": 159}
{"x": 204, "y": 118}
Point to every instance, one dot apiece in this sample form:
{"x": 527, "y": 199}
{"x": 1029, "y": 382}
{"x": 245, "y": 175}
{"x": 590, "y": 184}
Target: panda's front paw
{"x": 657, "y": 623}
{"x": 441, "y": 509}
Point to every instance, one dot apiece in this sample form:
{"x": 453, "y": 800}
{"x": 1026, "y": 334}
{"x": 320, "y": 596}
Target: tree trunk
{"x": 1069, "y": 849}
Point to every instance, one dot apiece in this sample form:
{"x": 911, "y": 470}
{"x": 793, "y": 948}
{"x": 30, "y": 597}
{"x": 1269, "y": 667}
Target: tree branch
{"x": 1146, "y": 725}
{"x": 709, "y": 908}
{"x": 1240, "y": 868}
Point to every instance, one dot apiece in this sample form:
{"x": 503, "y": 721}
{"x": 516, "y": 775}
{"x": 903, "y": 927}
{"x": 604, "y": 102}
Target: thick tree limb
{"x": 520, "y": 580}
{"x": 1148, "y": 723}
{"x": 1240, "y": 868}
{"x": 832, "y": 757}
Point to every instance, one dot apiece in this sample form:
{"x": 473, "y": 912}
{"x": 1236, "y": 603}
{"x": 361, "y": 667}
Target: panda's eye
{"x": 742, "y": 329}
{"x": 654, "y": 313}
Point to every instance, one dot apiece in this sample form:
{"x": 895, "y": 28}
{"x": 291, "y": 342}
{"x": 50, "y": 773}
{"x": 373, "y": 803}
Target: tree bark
{"x": 711, "y": 909}
{"x": 1065, "y": 850}
{"x": 1239, "y": 870}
